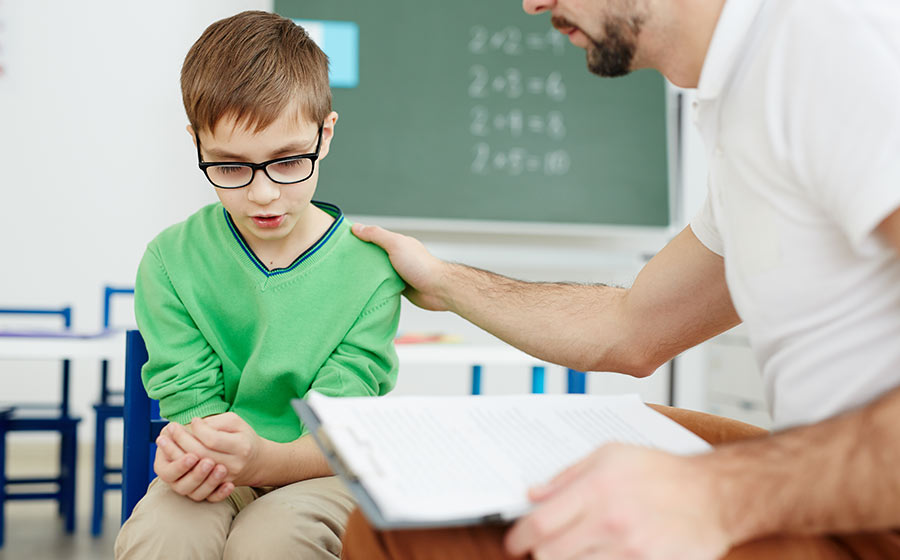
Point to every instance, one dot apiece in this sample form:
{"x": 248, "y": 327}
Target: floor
{"x": 33, "y": 529}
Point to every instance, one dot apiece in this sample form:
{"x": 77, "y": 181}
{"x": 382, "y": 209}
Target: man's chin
{"x": 608, "y": 63}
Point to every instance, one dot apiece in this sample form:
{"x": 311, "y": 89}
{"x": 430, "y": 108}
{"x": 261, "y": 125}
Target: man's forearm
{"x": 678, "y": 300}
{"x": 836, "y": 476}
{"x": 564, "y": 323}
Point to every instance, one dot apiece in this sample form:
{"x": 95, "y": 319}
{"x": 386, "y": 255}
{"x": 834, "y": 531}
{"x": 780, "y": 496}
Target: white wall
{"x": 94, "y": 161}
{"x": 94, "y": 157}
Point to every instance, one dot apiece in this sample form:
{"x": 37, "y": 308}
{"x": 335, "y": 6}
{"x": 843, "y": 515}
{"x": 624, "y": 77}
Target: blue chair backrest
{"x": 108, "y": 293}
{"x": 64, "y": 312}
{"x": 142, "y": 426}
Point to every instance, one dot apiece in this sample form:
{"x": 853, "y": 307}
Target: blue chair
{"x": 107, "y": 477}
{"x": 538, "y": 375}
{"x": 576, "y": 381}
{"x": 43, "y": 417}
{"x": 142, "y": 426}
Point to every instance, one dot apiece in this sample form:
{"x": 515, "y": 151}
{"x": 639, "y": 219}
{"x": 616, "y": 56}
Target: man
{"x": 799, "y": 107}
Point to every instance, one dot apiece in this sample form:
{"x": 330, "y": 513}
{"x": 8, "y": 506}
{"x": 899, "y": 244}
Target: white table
{"x": 100, "y": 346}
{"x": 465, "y": 354}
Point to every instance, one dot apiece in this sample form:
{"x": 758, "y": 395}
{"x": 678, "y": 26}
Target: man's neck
{"x": 680, "y": 53}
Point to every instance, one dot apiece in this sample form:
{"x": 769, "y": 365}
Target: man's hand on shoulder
{"x": 423, "y": 273}
{"x": 623, "y": 502}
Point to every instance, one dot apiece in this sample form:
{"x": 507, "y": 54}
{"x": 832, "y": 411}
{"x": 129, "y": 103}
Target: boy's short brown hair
{"x": 252, "y": 66}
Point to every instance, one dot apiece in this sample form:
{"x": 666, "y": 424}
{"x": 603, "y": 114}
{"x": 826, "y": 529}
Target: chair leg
{"x": 99, "y": 474}
{"x": 69, "y": 475}
{"x": 63, "y": 472}
{"x": 2, "y": 485}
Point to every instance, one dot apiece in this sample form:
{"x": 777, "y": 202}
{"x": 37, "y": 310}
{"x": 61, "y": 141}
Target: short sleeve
{"x": 843, "y": 111}
{"x": 704, "y": 227}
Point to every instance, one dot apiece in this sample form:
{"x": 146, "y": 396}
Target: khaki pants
{"x": 301, "y": 520}
{"x": 363, "y": 542}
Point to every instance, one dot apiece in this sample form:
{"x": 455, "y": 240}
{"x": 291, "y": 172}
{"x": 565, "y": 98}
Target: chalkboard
{"x": 474, "y": 110}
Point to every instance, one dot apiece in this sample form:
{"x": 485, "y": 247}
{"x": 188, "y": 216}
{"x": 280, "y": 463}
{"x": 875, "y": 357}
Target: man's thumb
{"x": 372, "y": 234}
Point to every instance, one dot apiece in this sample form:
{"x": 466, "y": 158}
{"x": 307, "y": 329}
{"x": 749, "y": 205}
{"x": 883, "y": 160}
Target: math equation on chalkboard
{"x": 503, "y": 121}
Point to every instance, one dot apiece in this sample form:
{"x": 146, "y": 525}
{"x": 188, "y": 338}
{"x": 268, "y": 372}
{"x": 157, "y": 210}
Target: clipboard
{"x": 363, "y": 498}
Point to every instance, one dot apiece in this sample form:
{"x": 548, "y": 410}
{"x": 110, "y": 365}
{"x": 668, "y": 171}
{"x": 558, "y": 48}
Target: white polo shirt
{"x": 799, "y": 108}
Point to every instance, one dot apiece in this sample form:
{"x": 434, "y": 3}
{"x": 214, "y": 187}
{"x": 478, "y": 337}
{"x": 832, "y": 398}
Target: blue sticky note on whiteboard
{"x": 339, "y": 40}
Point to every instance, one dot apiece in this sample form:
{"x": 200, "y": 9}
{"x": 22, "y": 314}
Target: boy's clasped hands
{"x": 206, "y": 459}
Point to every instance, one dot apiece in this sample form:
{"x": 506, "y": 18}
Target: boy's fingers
{"x": 223, "y": 491}
{"x": 212, "y": 437}
{"x": 208, "y": 486}
{"x": 168, "y": 448}
{"x": 227, "y": 422}
{"x": 186, "y": 441}
{"x": 172, "y": 471}
{"x": 193, "y": 478}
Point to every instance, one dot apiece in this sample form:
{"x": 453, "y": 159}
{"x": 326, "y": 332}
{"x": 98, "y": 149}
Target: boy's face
{"x": 266, "y": 212}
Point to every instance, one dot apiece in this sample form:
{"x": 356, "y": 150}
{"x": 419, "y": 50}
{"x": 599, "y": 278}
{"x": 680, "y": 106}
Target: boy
{"x": 253, "y": 302}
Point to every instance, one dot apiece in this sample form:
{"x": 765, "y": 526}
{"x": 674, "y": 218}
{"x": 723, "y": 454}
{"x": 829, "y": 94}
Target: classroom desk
{"x": 464, "y": 354}
{"x": 38, "y": 346}
{"x": 477, "y": 356}
{"x": 111, "y": 344}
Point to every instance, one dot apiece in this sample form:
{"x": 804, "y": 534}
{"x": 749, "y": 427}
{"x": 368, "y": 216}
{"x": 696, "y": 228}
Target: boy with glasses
{"x": 252, "y": 302}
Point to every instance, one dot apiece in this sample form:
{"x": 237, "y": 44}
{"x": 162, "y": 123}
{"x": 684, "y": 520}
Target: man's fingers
{"x": 377, "y": 235}
{"x": 561, "y": 480}
{"x": 548, "y": 519}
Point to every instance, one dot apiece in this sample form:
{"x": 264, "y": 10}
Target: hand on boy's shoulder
{"x": 422, "y": 272}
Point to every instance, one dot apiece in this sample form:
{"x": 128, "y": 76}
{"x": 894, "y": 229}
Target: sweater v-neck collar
{"x": 304, "y": 256}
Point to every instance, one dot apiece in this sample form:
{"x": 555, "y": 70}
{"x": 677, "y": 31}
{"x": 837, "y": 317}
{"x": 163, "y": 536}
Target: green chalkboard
{"x": 474, "y": 110}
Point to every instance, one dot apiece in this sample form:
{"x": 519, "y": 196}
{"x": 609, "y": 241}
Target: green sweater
{"x": 223, "y": 333}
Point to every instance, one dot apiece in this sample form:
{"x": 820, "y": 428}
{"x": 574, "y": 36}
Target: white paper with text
{"x": 438, "y": 458}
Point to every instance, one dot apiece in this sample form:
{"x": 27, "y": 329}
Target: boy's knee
{"x": 165, "y": 524}
{"x": 285, "y": 526}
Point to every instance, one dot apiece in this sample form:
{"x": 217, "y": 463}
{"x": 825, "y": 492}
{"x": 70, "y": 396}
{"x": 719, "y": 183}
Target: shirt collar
{"x": 731, "y": 32}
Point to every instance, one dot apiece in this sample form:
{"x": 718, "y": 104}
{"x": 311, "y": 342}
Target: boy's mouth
{"x": 268, "y": 222}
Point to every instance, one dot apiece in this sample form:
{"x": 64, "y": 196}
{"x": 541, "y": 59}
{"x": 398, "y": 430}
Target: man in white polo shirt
{"x": 799, "y": 108}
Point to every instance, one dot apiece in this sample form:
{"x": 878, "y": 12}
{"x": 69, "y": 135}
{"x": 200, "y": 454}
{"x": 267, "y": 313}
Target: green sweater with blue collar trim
{"x": 223, "y": 333}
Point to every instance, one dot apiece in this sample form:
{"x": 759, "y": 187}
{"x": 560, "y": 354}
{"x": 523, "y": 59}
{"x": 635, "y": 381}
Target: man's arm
{"x": 677, "y": 301}
{"x": 839, "y": 475}
{"x": 836, "y": 476}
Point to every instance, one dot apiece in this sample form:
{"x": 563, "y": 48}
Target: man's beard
{"x": 613, "y": 56}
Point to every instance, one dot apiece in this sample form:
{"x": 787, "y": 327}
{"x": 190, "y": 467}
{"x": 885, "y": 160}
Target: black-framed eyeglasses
{"x": 284, "y": 171}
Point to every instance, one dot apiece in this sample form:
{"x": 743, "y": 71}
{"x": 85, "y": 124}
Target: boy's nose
{"x": 262, "y": 190}
{"x": 537, "y": 6}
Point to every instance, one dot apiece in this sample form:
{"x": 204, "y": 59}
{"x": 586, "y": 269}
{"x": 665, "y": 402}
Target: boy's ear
{"x": 190, "y": 130}
{"x": 327, "y": 133}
